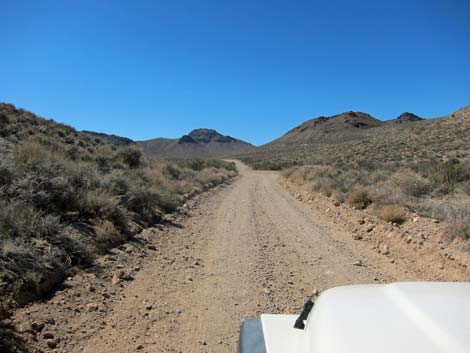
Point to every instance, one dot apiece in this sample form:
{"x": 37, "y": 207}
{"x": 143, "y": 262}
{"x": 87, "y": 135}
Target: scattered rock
{"x": 370, "y": 228}
{"x": 52, "y": 343}
{"x": 48, "y": 335}
{"x": 92, "y": 307}
{"x": 116, "y": 280}
{"x": 37, "y": 326}
{"x": 385, "y": 249}
{"x": 358, "y": 263}
{"x": 151, "y": 247}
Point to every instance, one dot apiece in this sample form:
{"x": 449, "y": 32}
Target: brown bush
{"x": 107, "y": 234}
{"x": 359, "y": 198}
{"x": 393, "y": 213}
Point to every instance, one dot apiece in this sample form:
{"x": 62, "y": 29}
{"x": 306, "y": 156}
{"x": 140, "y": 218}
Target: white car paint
{"x": 430, "y": 317}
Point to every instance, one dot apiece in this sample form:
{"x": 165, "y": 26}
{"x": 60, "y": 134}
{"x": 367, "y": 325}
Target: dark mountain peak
{"x": 186, "y": 139}
{"x": 205, "y": 136}
{"x": 198, "y": 143}
{"x": 407, "y": 117}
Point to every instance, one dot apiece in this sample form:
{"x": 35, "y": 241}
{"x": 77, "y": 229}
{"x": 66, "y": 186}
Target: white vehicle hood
{"x": 417, "y": 317}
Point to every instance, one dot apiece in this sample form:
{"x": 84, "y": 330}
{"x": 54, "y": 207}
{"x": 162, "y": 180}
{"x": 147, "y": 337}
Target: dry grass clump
{"x": 393, "y": 213}
{"x": 65, "y": 197}
{"x": 359, "y": 198}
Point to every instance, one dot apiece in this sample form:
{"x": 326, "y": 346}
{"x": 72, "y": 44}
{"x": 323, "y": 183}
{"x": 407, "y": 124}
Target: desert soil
{"x": 246, "y": 248}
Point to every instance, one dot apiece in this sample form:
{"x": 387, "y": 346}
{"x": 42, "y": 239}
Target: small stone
{"x": 52, "y": 344}
{"x": 151, "y": 247}
{"x": 358, "y": 263}
{"x": 139, "y": 347}
{"x": 315, "y": 292}
{"x": 37, "y": 326}
{"x": 266, "y": 291}
{"x": 357, "y": 237}
{"x": 415, "y": 219}
{"x": 92, "y": 307}
{"x": 370, "y": 228}
{"x": 116, "y": 280}
{"x": 149, "y": 307}
{"x": 202, "y": 343}
{"x": 362, "y": 221}
{"x": 385, "y": 250}
{"x": 48, "y": 335}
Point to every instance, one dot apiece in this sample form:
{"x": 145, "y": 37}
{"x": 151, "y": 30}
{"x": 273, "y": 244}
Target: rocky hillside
{"x": 198, "y": 143}
{"x": 111, "y": 139}
{"x": 358, "y": 138}
{"x": 66, "y": 197}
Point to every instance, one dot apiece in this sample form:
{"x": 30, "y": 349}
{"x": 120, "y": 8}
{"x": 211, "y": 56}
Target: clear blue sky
{"x": 250, "y": 69}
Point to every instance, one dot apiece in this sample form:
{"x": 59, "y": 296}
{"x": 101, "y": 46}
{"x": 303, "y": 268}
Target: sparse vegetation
{"x": 421, "y": 166}
{"x": 437, "y": 190}
{"x": 66, "y": 196}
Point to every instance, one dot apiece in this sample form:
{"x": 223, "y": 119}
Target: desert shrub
{"x": 132, "y": 156}
{"x": 447, "y": 175}
{"x": 359, "y": 198}
{"x": 393, "y": 213}
{"x": 411, "y": 183}
{"x": 18, "y": 220}
{"x": 107, "y": 234}
{"x": 172, "y": 171}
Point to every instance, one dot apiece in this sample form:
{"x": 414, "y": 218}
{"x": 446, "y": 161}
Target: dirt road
{"x": 248, "y": 248}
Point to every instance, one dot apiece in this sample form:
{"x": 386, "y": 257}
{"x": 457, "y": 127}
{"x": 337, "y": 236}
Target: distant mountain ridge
{"x": 198, "y": 143}
{"x": 356, "y": 137}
